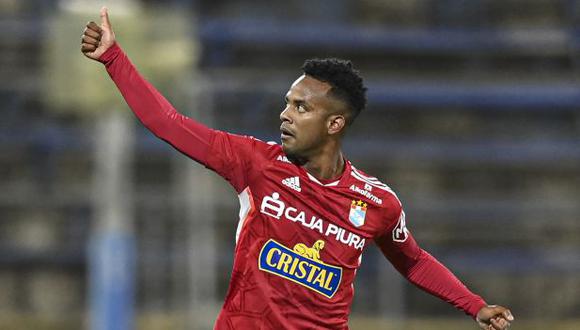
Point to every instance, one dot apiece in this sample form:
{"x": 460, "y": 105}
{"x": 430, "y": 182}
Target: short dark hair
{"x": 347, "y": 84}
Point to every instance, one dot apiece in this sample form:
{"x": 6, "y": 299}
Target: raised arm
{"x": 153, "y": 110}
{"x": 424, "y": 271}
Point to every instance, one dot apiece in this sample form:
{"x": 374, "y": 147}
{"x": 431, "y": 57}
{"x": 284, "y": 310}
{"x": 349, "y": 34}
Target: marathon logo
{"x": 301, "y": 265}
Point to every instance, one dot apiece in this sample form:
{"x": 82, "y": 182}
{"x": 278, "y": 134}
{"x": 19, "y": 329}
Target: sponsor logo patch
{"x": 401, "y": 233}
{"x": 274, "y": 207}
{"x": 292, "y": 182}
{"x": 367, "y": 193}
{"x": 358, "y": 212}
{"x": 301, "y": 265}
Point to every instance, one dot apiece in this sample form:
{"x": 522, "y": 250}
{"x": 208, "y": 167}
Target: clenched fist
{"x": 97, "y": 39}
{"x": 494, "y": 317}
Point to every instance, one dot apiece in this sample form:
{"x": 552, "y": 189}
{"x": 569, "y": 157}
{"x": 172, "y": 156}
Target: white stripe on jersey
{"x": 332, "y": 184}
{"x": 246, "y": 205}
{"x": 366, "y": 177}
{"x": 373, "y": 182}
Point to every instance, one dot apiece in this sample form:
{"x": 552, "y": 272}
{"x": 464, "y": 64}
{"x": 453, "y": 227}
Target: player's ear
{"x": 336, "y": 124}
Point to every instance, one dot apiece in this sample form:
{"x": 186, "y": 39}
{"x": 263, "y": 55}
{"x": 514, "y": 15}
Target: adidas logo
{"x": 293, "y": 182}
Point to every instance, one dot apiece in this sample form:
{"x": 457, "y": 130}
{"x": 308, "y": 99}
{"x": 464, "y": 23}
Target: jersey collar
{"x": 334, "y": 183}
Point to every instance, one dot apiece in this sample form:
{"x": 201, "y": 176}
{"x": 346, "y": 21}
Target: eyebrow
{"x": 298, "y": 101}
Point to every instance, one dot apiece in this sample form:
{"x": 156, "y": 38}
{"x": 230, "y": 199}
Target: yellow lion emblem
{"x": 310, "y": 252}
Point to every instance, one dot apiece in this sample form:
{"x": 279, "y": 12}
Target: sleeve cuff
{"x": 110, "y": 54}
{"x": 476, "y": 306}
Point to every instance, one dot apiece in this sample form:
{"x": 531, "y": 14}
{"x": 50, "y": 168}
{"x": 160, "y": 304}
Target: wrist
{"x": 476, "y": 307}
{"x": 110, "y": 54}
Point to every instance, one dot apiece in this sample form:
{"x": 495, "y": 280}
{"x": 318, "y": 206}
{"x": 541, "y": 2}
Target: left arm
{"x": 424, "y": 271}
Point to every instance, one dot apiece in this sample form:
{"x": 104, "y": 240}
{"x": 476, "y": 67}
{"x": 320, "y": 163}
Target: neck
{"x": 327, "y": 164}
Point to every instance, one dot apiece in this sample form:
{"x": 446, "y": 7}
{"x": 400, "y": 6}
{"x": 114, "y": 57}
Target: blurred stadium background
{"x": 473, "y": 118}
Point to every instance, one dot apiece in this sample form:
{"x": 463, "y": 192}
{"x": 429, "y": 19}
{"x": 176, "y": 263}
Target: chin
{"x": 287, "y": 150}
{"x": 293, "y": 155}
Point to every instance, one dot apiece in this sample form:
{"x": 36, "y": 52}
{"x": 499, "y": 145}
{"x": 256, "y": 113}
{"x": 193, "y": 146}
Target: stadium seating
{"x": 473, "y": 118}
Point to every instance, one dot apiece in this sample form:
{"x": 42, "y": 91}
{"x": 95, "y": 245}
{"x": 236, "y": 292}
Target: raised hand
{"x": 494, "y": 317}
{"x": 97, "y": 39}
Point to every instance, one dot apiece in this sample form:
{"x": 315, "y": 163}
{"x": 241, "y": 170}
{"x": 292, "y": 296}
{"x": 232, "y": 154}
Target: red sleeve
{"x": 236, "y": 157}
{"x": 227, "y": 154}
{"x": 153, "y": 110}
{"x": 424, "y": 271}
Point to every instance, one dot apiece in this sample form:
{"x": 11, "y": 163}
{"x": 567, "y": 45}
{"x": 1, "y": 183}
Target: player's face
{"x": 305, "y": 119}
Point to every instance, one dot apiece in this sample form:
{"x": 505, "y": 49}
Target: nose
{"x": 285, "y": 114}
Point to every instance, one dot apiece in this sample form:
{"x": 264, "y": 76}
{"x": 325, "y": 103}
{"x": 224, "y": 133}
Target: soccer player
{"x": 307, "y": 213}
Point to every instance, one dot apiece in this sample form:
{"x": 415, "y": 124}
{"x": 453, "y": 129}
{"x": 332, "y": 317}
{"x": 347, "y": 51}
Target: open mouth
{"x": 285, "y": 133}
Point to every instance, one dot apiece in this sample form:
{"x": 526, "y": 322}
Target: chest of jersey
{"x": 297, "y": 210}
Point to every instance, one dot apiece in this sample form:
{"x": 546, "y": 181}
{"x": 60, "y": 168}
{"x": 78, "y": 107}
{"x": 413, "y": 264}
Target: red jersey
{"x": 299, "y": 241}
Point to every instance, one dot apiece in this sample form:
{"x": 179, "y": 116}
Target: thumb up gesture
{"x": 97, "y": 39}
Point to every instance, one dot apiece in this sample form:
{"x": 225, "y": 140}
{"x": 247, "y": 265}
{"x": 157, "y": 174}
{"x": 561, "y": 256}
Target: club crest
{"x": 358, "y": 211}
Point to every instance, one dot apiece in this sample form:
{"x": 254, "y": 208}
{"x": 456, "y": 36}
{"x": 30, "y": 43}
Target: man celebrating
{"x": 307, "y": 213}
